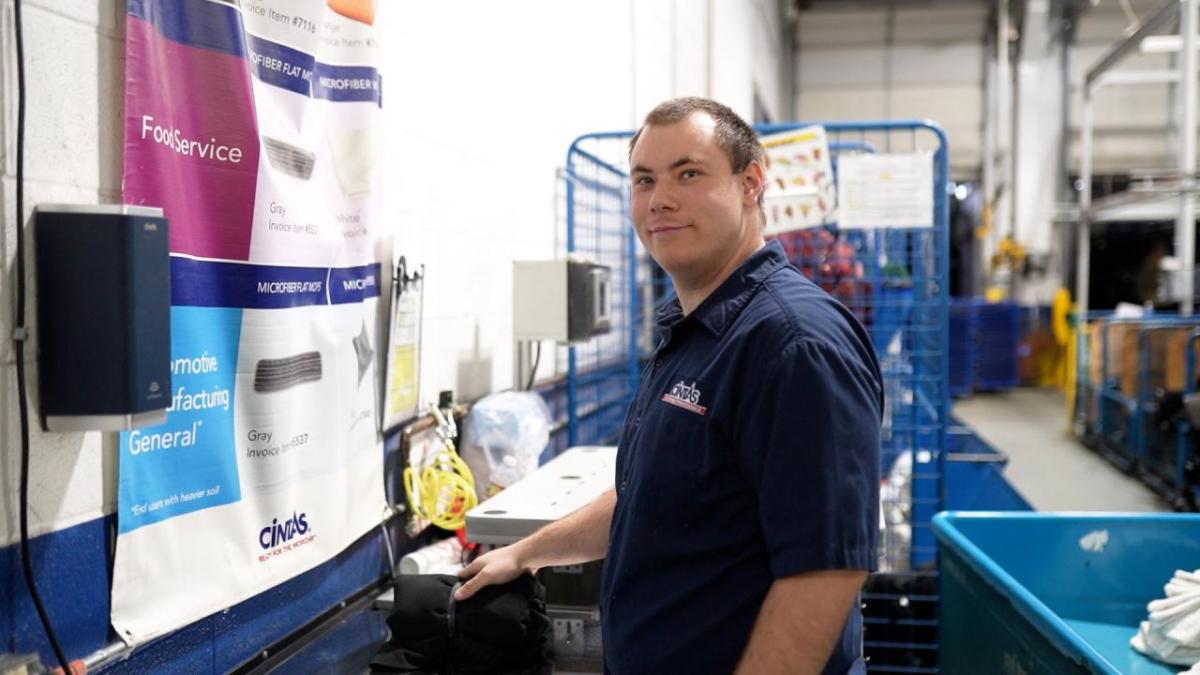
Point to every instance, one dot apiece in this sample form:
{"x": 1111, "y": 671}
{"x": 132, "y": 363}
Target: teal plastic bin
{"x": 1055, "y": 593}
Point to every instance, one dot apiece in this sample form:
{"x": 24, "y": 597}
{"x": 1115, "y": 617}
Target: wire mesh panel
{"x": 1159, "y": 449}
{"x": 602, "y": 372}
{"x": 1187, "y": 445}
{"x": 896, "y": 281}
{"x": 1116, "y": 378}
{"x": 1155, "y": 344}
{"x": 1088, "y": 354}
{"x": 900, "y": 622}
{"x": 964, "y": 327}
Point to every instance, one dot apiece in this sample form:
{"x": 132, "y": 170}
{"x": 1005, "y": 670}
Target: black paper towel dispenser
{"x": 104, "y": 316}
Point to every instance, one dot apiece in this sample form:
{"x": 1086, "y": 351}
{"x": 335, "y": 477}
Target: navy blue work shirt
{"x": 750, "y": 453}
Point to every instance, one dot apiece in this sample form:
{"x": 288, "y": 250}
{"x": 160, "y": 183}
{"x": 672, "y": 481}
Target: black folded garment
{"x": 501, "y": 629}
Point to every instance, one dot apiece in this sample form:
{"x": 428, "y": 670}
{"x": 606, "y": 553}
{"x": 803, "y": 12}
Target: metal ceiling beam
{"x": 1157, "y": 21}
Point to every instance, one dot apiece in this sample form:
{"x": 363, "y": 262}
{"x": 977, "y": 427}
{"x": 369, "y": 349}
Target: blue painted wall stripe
{"x": 73, "y": 572}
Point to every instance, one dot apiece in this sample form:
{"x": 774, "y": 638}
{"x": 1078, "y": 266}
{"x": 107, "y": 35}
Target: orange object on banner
{"x": 358, "y": 10}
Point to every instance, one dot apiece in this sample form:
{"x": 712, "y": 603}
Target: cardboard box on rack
{"x": 1167, "y": 365}
{"x": 1122, "y": 351}
{"x": 1040, "y": 356}
{"x": 1176, "y": 359}
{"x": 1123, "y": 345}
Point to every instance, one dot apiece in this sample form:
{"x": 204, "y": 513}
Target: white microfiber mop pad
{"x": 1177, "y": 616}
{"x": 1172, "y": 633}
{"x": 1183, "y": 583}
{"x": 1181, "y": 621}
{"x": 1157, "y": 646}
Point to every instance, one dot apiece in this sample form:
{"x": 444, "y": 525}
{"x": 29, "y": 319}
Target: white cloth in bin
{"x": 1172, "y": 632}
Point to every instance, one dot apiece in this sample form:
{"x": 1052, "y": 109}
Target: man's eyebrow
{"x": 682, "y": 161}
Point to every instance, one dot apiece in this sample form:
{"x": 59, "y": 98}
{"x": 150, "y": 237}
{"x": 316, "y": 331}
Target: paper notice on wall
{"x": 253, "y": 124}
{"x": 885, "y": 191}
{"x": 403, "y": 358}
{"x": 800, "y": 190}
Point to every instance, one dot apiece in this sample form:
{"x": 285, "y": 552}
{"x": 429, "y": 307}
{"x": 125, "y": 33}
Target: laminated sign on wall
{"x": 402, "y": 380}
{"x": 881, "y": 191}
{"x": 800, "y": 191}
{"x": 253, "y": 124}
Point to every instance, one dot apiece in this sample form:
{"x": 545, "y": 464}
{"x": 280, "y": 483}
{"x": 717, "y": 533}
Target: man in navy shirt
{"x": 744, "y": 517}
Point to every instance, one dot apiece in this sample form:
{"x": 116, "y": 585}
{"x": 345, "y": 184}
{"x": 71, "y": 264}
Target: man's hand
{"x": 494, "y": 567}
{"x": 800, "y": 621}
{"x": 578, "y": 538}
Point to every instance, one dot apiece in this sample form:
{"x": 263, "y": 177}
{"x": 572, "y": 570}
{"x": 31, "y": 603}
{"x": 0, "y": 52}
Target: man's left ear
{"x": 753, "y": 183}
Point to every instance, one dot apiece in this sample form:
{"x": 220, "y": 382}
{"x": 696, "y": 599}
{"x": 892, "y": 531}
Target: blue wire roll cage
{"x": 1155, "y": 451}
{"x": 1186, "y": 478}
{"x": 1129, "y": 400}
{"x": 964, "y": 330}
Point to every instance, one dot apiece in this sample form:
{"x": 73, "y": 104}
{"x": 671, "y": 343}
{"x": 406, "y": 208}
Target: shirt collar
{"x": 720, "y": 308}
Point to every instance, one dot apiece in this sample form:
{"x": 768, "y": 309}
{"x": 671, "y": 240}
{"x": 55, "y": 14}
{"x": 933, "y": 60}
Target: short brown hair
{"x": 738, "y": 139}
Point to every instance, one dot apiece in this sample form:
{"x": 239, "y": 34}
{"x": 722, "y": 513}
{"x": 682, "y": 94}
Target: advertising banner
{"x": 254, "y": 125}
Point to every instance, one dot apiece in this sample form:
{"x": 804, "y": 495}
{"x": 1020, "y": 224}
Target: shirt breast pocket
{"x": 673, "y": 448}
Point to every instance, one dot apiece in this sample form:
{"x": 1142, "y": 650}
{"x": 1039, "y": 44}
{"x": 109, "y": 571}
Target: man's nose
{"x": 662, "y": 199}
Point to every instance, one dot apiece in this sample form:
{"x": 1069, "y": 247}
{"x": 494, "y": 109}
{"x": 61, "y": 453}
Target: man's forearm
{"x": 801, "y": 619}
{"x": 578, "y": 538}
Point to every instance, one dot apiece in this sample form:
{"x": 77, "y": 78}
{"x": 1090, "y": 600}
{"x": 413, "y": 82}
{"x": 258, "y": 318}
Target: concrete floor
{"x": 1046, "y": 464}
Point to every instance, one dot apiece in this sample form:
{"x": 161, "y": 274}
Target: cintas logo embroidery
{"x": 278, "y": 533}
{"x": 686, "y": 396}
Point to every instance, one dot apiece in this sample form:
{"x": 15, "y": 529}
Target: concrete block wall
{"x": 74, "y": 56}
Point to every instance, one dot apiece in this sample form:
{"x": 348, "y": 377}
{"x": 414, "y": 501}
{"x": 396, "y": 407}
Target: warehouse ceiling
{"x": 865, "y": 23}
{"x": 875, "y": 4}
{"x": 1138, "y": 6}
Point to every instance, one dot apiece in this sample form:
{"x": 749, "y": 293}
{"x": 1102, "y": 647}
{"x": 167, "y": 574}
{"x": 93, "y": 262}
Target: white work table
{"x": 558, "y": 488}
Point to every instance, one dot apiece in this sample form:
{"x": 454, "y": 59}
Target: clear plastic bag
{"x": 503, "y": 436}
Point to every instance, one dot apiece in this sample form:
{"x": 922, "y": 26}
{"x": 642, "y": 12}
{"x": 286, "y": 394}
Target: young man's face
{"x": 689, "y": 208}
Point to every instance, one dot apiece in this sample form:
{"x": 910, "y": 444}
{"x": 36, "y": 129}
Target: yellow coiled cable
{"x": 444, "y": 489}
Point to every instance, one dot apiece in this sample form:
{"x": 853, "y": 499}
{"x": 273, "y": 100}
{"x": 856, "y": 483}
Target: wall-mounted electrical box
{"x": 104, "y": 316}
{"x": 562, "y": 300}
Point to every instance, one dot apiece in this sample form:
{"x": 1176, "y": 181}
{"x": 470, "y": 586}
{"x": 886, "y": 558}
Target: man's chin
{"x": 675, "y": 263}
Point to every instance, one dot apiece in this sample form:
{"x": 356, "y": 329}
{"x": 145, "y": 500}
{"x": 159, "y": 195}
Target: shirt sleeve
{"x": 809, "y": 446}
